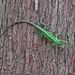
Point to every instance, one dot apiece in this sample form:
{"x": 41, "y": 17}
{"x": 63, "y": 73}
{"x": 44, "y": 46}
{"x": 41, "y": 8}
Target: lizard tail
{"x": 21, "y": 21}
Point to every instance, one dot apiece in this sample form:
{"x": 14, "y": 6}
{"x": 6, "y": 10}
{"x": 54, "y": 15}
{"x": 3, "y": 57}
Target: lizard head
{"x": 61, "y": 42}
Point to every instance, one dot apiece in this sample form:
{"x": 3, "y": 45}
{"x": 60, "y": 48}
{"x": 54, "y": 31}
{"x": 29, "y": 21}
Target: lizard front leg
{"x": 57, "y": 35}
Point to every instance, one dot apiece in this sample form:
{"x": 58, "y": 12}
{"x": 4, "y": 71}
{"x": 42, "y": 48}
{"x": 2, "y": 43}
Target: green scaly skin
{"x": 42, "y": 31}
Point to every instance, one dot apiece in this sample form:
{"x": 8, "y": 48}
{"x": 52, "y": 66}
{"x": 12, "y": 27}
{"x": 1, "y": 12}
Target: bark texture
{"x": 22, "y": 50}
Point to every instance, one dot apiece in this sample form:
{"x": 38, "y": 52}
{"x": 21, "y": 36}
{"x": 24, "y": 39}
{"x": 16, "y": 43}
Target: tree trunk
{"x": 23, "y": 51}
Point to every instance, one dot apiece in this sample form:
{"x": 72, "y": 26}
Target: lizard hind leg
{"x": 41, "y": 33}
{"x": 43, "y": 24}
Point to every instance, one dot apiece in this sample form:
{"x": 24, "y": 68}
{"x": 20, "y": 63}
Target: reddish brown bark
{"x": 23, "y": 52}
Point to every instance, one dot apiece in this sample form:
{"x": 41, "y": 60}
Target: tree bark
{"x": 23, "y": 51}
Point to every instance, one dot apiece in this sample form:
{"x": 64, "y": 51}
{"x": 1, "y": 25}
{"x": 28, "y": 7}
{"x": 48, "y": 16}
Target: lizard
{"x": 42, "y": 31}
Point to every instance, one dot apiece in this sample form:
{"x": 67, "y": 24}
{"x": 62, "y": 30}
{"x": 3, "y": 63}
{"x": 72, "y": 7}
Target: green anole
{"x": 42, "y": 31}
